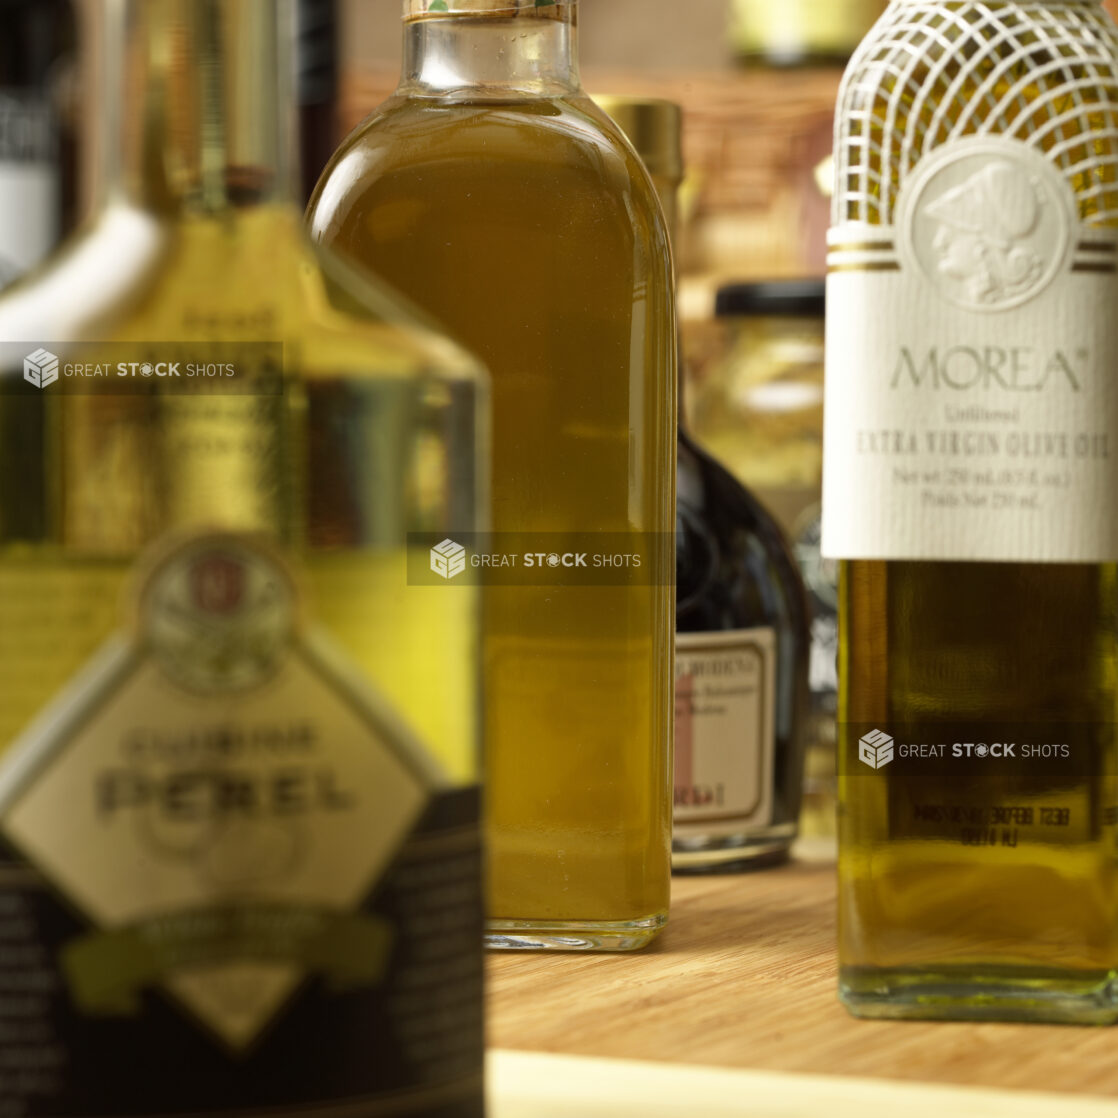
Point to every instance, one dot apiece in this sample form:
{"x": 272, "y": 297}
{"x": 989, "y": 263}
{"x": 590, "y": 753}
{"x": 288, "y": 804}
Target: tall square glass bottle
{"x": 969, "y": 481}
{"x": 497, "y": 196}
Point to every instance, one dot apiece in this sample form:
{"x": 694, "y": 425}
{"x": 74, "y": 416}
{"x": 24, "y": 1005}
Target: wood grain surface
{"x": 744, "y": 977}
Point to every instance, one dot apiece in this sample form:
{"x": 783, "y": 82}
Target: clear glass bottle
{"x": 496, "y": 195}
{"x": 971, "y": 410}
{"x": 741, "y": 623}
{"x": 221, "y": 746}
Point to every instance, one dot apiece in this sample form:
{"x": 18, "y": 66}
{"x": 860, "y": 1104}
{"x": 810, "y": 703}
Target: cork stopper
{"x": 488, "y": 9}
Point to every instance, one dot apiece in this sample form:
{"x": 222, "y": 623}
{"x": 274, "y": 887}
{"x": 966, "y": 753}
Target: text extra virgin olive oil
{"x": 239, "y": 832}
{"x": 497, "y": 196}
{"x": 971, "y": 468}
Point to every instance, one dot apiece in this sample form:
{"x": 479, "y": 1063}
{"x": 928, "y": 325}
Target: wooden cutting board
{"x": 744, "y": 978}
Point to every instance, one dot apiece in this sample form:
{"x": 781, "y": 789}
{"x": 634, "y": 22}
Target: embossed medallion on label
{"x": 988, "y": 221}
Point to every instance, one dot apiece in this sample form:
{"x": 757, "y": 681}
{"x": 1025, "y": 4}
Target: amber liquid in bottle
{"x": 984, "y": 887}
{"x": 506, "y": 204}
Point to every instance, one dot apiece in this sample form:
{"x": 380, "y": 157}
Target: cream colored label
{"x": 971, "y": 402}
{"x": 725, "y": 692}
{"x": 217, "y": 795}
{"x": 28, "y": 216}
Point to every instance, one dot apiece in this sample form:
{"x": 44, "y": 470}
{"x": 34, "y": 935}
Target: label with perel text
{"x": 231, "y": 881}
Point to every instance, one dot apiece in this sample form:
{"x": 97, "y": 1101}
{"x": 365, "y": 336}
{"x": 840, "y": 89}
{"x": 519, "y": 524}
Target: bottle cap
{"x": 785, "y": 299}
{"x": 488, "y": 9}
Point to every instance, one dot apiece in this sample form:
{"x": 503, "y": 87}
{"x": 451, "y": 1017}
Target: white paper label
{"x": 971, "y": 399}
{"x": 725, "y": 689}
{"x": 29, "y": 183}
{"x": 28, "y": 217}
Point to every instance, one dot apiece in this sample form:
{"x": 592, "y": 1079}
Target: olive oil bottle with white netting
{"x": 970, "y": 480}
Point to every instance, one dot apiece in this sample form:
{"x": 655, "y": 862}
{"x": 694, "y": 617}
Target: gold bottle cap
{"x": 654, "y": 128}
{"x": 488, "y": 9}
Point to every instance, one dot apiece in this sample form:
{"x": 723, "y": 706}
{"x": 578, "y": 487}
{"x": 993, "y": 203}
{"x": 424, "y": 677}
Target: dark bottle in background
{"x": 37, "y": 195}
{"x": 316, "y": 61}
{"x": 742, "y": 643}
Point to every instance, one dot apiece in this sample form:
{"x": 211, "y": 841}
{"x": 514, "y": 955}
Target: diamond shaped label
{"x": 220, "y": 842}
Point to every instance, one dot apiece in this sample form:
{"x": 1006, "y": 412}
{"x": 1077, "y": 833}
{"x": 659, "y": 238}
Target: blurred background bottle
{"x": 759, "y": 410}
{"x": 800, "y": 32}
{"x": 216, "y": 559}
{"x": 37, "y": 158}
{"x": 741, "y": 626}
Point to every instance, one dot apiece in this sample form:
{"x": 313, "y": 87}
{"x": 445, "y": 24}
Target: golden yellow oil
{"x": 536, "y": 240}
{"x": 942, "y": 913}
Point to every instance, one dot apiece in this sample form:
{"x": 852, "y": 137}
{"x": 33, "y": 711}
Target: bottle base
{"x": 574, "y": 935}
{"x": 732, "y": 853}
{"x": 1049, "y": 997}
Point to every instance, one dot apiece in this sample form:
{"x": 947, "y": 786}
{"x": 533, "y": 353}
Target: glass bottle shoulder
{"x": 250, "y": 276}
{"x": 538, "y": 155}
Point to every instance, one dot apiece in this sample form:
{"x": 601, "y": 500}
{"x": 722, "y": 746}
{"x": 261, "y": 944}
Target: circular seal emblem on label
{"x": 989, "y": 222}
{"x": 218, "y": 614}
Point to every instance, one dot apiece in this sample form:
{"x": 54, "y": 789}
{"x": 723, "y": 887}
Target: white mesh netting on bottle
{"x": 1044, "y": 73}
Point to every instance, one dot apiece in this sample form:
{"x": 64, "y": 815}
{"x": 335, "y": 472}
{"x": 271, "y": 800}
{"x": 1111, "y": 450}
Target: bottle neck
{"x": 502, "y": 51}
{"x": 203, "y": 106}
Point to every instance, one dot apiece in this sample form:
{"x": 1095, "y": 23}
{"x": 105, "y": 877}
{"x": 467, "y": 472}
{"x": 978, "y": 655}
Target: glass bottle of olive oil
{"x": 970, "y": 471}
{"x": 497, "y": 196}
{"x": 239, "y": 831}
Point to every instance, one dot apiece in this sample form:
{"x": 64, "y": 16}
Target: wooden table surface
{"x": 744, "y": 977}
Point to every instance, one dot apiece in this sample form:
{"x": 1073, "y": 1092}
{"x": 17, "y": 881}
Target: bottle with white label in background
{"x": 239, "y": 854}
{"x": 741, "y": 646}
{"x": 971, "y": 466}
{"x": 36, "y": 172}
